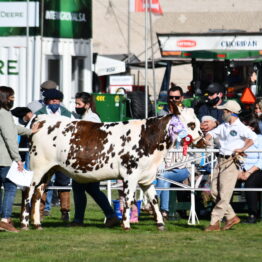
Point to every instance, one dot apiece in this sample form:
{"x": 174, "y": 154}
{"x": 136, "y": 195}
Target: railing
{"x": 193, "y": 219}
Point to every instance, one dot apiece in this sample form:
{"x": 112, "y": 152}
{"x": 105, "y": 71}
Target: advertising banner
{"x": 68, "y": 19}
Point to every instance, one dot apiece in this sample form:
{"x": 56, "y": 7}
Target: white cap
{"x": 231, "y": 106}
{"x": 206, "y": 118}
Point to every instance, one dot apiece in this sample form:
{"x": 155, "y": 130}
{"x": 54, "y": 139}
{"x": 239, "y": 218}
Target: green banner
{"x": 68, "y": 19}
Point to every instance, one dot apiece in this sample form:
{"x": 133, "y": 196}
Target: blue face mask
{"x": 53, "y": 107}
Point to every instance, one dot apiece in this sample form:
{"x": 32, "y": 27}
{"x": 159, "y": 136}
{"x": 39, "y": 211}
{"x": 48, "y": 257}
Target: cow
{"x": 88, "y": 152}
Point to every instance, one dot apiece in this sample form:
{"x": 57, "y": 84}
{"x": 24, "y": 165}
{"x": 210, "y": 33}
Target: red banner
{"x": 140, "y": 6}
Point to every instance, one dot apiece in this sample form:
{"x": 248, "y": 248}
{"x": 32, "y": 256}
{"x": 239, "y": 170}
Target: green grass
{"x": 144, "y": 242}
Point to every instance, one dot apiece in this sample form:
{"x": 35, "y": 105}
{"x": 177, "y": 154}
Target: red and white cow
{"x": 89, "y": 152}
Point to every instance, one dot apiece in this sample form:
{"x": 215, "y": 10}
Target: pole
{"x": 146, "y": 58}
{"x": 128, "y": 30}
{"x": 27, "y": 52}
{"x": 153, "y": 59}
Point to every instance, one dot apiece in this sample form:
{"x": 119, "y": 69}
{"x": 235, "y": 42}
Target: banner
{"x": 140, "y": 6}
{"x": 68, "y": 19}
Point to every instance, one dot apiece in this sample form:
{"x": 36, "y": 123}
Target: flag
{"x": 140, "y": 6}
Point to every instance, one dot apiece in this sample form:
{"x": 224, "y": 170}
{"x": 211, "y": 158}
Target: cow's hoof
{"x": 24, "y": 228}
{"x": 125, "y": 228}
{"x": 38, "y": 227}
{"x": 161, "y": 227}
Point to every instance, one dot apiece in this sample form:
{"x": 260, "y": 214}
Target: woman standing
{"x": 85, "y": 109}
{"x": 9, "y": 153}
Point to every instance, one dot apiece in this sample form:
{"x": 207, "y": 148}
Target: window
{"x": 77, "y": 75}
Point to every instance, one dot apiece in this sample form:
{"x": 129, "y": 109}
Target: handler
{"x": 234, "y": 138}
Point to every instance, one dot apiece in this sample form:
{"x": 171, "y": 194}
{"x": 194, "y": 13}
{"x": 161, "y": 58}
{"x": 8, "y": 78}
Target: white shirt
{"x": 232, "y": 136}
{"x": 91, "y": 116}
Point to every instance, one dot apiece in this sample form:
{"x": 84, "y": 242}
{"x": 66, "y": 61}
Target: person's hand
{"x": 35, "y": 127}
{"x": 20, "y": 166}
{"x": 208, "y": 125}
{"x": 238, "y": 151}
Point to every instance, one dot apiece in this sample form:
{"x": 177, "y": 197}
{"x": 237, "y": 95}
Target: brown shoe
{"x": 231, "y": 222}
{"x": 8, "y": 227}
{"x": 215, "y": 227}
{"x": 111, "y": 222}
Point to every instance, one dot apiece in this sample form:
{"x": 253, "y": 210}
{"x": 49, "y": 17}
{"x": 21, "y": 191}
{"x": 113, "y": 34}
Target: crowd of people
{"x": 221, "y": 122}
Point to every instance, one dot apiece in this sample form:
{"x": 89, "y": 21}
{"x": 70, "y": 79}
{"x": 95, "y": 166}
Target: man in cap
{"x": 53, "y": 99}
{"x": 38, "y": 104}
{"x": 234, "y": 138}
{"x": 215, "y": 98}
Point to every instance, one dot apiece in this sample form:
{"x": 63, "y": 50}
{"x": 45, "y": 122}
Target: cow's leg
{"x": 153, "y": 200}
{"x": 25, "y": 209}
{"x": 35, "y": 210}
{"x": 129, "y": 195}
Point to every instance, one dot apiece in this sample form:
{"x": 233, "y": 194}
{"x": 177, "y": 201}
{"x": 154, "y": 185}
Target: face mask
{"x": 259, "y": 114}
{"x": 212, "y": 102}
{"x": 10, "y": 104}
{"x": 80, "y": 110}
{"x": 53, "y": 107}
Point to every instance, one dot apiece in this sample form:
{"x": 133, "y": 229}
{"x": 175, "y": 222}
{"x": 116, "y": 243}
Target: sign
{"x": 172, "y": 43}
{"x": 14, "y": 14}
{"x": 120, "y": 84}
{"x": 68, "y": 19}
{"x": 140, "y": 6}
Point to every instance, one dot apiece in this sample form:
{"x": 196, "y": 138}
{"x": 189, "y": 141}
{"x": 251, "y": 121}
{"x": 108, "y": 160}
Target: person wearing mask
{"x": 234, "y": 138}
{"x": 210, "y": 108}
{"x": 9, "y": 153}
{"x": 84, "y": 107}
{"x": 38, "y": 104}
{"x": 53, "y": 99}
{"x": 252, "y": 172}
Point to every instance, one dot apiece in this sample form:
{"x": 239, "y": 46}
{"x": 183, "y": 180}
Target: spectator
{"x": 234, "y": 138}
{"x": 215, "y": 98}
{"x": 85, "y": 109}
{"x": 258, "y": 113}
{"x": 9, "y": 152}
{"x": 252, "y": 172}
{"x": 38, "y": 104}
{"x": 52, "y": 100}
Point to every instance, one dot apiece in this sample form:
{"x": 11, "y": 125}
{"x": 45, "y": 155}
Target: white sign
{"x": 191, "y": 43}
{"x": 14, "y": 14}
{"x": 121, "y": 80}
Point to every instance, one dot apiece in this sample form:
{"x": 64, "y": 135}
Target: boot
{"x": 65, "y": 205}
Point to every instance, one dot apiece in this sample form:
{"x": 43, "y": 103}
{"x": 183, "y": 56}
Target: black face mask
{"x": 212, "y": 102}
{"x": 10, "y": 104}
{"x": 80, "y": 110}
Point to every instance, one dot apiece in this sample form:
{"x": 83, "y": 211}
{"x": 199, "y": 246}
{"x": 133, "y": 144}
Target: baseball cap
{"x": 49, "y": 84}
{"x": 232, "y": 106}
{"x": 215, "y": 88}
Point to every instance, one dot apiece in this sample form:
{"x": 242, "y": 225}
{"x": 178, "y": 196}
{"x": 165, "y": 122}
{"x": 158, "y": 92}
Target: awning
{"x": 108, "y": 66}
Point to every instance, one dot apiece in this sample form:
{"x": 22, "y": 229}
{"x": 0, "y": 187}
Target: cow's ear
{"x": 173, "y": 108}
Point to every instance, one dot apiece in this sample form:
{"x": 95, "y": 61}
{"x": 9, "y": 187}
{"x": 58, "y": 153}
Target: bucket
{"x": 116, "y": 204}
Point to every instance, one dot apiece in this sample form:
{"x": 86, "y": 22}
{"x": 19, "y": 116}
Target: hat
{"x": 50, "y": 94}
{"x": 206, "y": 118}
{"x": 20, "y": 112}
{"x": 215, "y": 88}
{"x": 232, "y": 106}
{"x": 49, "y": 84}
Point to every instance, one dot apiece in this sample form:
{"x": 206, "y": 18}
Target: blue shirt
{"x": 254, "y": 159}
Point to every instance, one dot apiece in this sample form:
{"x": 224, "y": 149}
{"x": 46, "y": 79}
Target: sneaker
{"x": 215, "y": 227}
{"x": 46, "y": 213}
{"x": 112, "y": 222}
{"x": 8, "y": 227}
{"x": 165, "y": 214}
{"x": 231, "y": 222}
{"x": 251, "y": 220}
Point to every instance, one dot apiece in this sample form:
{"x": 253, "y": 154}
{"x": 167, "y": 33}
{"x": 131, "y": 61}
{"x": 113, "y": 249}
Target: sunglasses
{"x": 176, "y": 97}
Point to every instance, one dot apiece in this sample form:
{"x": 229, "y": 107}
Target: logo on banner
{"x": 186, "y": 43}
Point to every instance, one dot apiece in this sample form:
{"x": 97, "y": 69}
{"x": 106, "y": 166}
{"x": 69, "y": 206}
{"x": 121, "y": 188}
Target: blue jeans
{"x": 80, "y": 200}
{"x": 178, "y": 175}
{"x": 9, "y": 193}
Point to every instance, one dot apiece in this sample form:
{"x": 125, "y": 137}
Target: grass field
{"x": 179, "y": 242}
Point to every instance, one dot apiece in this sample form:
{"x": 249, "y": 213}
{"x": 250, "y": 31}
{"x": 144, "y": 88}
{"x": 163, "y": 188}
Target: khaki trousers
{"x": 222, "y": 187}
